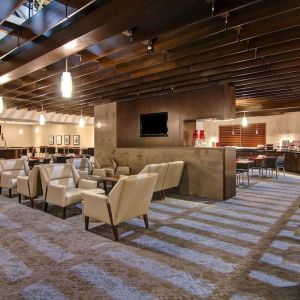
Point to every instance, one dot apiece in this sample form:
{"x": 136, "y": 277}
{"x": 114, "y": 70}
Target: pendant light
{"x": 256, "y": 131}
{"x": 81, "y": 121}
{"x": 244, "y": 120}
{"x": 42, "y": 119}
{"x": 1, "y": 105}
{"x": 232, "y": 130}
{"x": 66, "y": 83}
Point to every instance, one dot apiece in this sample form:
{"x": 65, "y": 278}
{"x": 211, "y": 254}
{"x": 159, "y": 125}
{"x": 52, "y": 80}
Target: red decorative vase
{"x": 195, "y": 134}
{"x": 202, "y": 136}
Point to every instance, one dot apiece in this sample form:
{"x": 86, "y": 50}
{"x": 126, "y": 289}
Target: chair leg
{"x": 86, "y": 222}
{"x": 162, "y": 196}
{"x": 46, "y": 206}
{"x": 31, "y": 203}
{"x": 0, "y": 190}
{"x": 64, "y": 212}
{"x": 146, "y": 221}
{"x": 115, "y": 232}
{"x": 20, "y": 197}
{"x": 9, "y": 192}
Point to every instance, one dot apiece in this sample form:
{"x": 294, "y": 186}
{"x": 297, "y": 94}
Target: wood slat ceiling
{"x": 251, "y": 44}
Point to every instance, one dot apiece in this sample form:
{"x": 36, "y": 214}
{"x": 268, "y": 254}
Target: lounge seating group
{"x": 76, "y": 181}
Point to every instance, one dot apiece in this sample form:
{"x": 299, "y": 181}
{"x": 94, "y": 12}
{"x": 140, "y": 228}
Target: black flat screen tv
{"x": 155, "y": 124}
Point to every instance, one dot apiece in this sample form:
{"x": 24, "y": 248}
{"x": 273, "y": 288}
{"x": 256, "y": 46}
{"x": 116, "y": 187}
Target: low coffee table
{"x": 113, "y": 181}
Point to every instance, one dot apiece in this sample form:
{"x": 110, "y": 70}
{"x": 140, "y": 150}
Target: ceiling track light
{"x": 66, "y": 83}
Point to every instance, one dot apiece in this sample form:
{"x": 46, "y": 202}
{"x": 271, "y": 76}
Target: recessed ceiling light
{"x": 71, "y": 45}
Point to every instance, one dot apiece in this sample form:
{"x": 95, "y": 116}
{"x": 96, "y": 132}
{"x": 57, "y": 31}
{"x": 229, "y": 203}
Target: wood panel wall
{"x": 214, "y": 102}
{"x": 237, "y": 135}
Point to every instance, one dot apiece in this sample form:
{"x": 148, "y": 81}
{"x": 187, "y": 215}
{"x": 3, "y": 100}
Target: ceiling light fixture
{"x": 256, "y": 131}
{"x": 42, "y": 118}
{"x": 66, "y": 83}
{"x": 20, "y": 131}
{"x": 37, "y": 130}
{"x": 1, "y": 105}
{"x": 244, "y": 120}
{"x": 81, "y": 121}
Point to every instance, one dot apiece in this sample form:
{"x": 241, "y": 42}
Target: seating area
{"x": 149, "y": 149}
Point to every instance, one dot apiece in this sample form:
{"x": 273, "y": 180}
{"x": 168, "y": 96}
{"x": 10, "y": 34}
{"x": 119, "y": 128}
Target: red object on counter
{"x": 202, "y": 135}
{"x": 195, "y": 134}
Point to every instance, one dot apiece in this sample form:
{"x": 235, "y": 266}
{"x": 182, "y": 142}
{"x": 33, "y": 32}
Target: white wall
{"x": 86, "y": 134}
{"x": 31, "y": 138}
{"x": 278, "y": 128}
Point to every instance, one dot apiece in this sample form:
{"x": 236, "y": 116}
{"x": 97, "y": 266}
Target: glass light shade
{"x": 42, "y": 119}
{"x": 244, "y": 121}
{"x": 37, "y": 130}
{"x": 20, "y": 131}
{"x": 98, "y": 125}
{"x": 66, "y": 84}
{"x": 1, "y": 105}
{"x": 81, "y": 122}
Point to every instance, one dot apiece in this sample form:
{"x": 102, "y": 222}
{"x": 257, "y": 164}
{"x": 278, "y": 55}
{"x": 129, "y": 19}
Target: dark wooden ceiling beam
{"x": 8, "y": 7}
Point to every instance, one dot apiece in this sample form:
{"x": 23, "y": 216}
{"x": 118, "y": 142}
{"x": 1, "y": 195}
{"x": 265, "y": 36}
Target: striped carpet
{"x": 247, "y": 247}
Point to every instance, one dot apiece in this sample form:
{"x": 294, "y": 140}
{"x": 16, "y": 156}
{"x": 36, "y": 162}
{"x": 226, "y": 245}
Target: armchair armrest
{"x": 95, "y": 206}
{"x": 99, "y": 172}
{"x": 56, "y": 194}
{"x": 6, "y": 180}
{"x": 22, "y": 186}
{"x": 123, "y": 170}
{"x": 87, "y": 184}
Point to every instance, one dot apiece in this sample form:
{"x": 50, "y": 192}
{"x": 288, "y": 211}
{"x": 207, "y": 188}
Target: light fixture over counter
{"x": 66, "y": 83}
{"x": 42, "y": 118}
{"x": 244, "y": 120}
{"x": 81, "y": 121}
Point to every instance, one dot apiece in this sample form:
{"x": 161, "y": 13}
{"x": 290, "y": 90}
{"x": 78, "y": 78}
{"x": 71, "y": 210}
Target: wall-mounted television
{"x": 155, "y": 124}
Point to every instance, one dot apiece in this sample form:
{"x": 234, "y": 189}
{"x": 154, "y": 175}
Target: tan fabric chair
{"x": 173, "y": 175}
{"x": 107, "y": 171}
{"x": 129, "y": 198}
{"x": 161, "y": 171}
{"x": 10, "y": 169}
{"x": 30, "y": 186}
{"x": 82, "y": 165}
{"x": 59, "y": 182}
{"x": 114, "y": 169}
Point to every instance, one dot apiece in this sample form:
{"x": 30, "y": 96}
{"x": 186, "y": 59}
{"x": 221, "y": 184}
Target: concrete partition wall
{"x": 208, "y": 172}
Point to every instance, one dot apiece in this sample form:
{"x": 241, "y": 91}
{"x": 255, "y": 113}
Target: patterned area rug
{"x": 247, "y": 247}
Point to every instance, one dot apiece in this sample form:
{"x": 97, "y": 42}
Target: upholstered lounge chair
{"x": 10, "y": 169}
{"x": 30, "y": 186}
{"x": 62, "y": 185}
{"x": 82, "y": 165}
{"x": 129, "y": 198}
{"x": 161, "y": 171}
{"x": 169, "y": 175}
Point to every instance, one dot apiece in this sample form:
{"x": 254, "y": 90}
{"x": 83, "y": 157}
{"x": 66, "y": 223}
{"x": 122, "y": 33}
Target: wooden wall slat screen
{"x": 237, "y": 135}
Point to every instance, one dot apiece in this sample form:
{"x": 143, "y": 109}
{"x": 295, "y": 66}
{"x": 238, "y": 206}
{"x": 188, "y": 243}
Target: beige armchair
{"x": 129, "y": 198}
{"x": 161, "y": 171}
{"x": 62, "y": 185}
{"x": 30, "y": 186}
{"x": 169, "y": 175}
{"x": 173, "y": 175}
{"x": 82, "y": 165}
{"x": 114, "y": 169}
{"x": 10, "y": 169}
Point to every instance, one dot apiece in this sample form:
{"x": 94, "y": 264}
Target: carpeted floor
{"x": 247, "y": 247}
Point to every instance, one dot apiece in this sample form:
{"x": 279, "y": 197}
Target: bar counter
{"x": 208, "y": 173}
{"x": 10, "y": 152}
